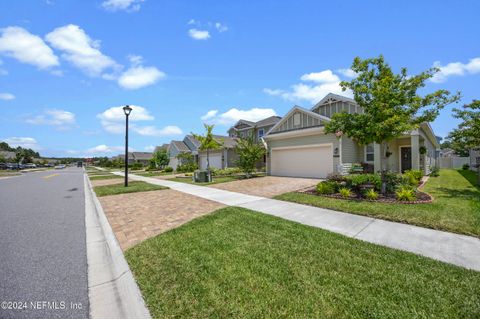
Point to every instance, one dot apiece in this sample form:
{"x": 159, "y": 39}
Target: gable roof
{"x": 179, "y": 145}
{"x": 192, "y": 139}
{"x": 299, "y": 109}
{"x": 228, "y": 142}
{"x": 264, "y": 122}
{"x": 333, "y": 96}
{"x": 142, "y": 155}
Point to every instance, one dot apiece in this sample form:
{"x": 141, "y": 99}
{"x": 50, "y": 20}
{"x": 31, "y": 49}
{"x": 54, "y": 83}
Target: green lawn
{"x": 105, "y": 176}
{"x": 216, "y": 180}
{"x": 133, "y": 187}
{"x": 242, "y": 264}
{"x": 456, "y": 205}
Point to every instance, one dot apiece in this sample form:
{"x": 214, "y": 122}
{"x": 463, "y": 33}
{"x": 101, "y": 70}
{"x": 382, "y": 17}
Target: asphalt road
{"x": 43, "y": 263}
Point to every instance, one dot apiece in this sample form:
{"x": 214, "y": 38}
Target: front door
{"x": 405, "y": 159}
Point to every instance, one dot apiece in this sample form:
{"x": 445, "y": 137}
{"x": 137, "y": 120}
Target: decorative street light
{"x": 126, "y": 109}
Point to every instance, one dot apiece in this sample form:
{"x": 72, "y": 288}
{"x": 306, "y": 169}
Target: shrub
{"x": 405, "y": 194}
{"x": 434, "y": 171}
{"x": 168, "y": 169}
{"x": 371, "y": 194}
{"x": 187, "y": 168}
{"x": 228, "y": 171}
{"x": 413, "y": 177}
{"x": 356, "y": 182}
{"x": 392, "y": 180}
{"x": 345, "y": 192}
{"x": 135, "y": 166}
{"x": 465, "y": 167}
{"x": 336, "y": 177}
{"x": 325, "y": 188}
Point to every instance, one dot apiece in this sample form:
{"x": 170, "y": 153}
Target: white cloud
{"x": 18, "y": 43}
{"x": 233, "y": 115}
{"x": 7, "y": 96}
{"x": 220, "y": 27}
{"x": 113, "y": 121}
{"x": 324, "y": 82}
{"x": 25, "y": 142}
{"x": 149, "y": 148}
{"x": 199, "y": 34}
{"x": 138, "y": 76}
{"x": 59, "y": 118}
{"x": 126, "y": 5}
{"x": 80, "y": 50}
{"x": 153, "y": 131}
{"x": 116, "y": 114}
{"x": 349, "y": 73}
{"x": 326, "y": 76}
{"x": 102, "y": 148}
{"x": 455, "y": 69}
{"x": 210, "y": 114}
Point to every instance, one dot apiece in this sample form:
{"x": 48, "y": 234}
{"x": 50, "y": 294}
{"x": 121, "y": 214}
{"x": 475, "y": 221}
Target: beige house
{"x": 298, "y": 146}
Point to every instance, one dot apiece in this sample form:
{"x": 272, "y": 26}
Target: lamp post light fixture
{"x": 127, "y": 110}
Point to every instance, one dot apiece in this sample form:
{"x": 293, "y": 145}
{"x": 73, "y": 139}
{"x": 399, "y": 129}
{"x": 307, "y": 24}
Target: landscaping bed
{"x": 455, "y": 206}
{"x": 421, "y": 197}
{"x": 243, "y": 264}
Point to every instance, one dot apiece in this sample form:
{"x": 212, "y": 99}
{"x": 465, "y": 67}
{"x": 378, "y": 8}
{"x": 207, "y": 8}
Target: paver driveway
{"x": 268, "y": 186}
{"x": 139, "y": 216}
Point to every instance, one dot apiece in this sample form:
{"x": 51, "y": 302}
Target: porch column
{"x": 415, "y": 144}
{"x": 377, "y": 157}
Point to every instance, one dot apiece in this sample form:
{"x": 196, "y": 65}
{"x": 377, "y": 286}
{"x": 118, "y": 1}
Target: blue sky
{"x": 66, "y": 66}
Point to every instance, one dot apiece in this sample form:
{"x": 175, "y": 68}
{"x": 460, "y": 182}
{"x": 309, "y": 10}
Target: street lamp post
{"x": 126, "y": 109}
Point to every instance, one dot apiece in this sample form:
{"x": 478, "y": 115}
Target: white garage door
{"x": 311, "y": 161}
{"x": 215, "y": 161}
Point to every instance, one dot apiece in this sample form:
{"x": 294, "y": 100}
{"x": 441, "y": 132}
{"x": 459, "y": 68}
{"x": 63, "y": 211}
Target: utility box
{"x": 201, "y": 176}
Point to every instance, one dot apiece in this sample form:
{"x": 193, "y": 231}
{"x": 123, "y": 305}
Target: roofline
{"x": 337, "y": 96}
{"x": 297, "y": 108}
{"x": 431, "y": 135}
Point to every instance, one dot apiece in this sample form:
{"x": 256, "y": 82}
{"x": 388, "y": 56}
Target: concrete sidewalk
{"x": 451, "y": 248}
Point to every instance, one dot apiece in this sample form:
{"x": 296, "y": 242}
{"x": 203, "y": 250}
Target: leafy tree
{"x": 468, "y": 131}
{"x": 208, "y": 142}
{"x": 186, "y": 162}
{"x": 160, "y": 159}
{"x": 457, "y": 143}
{"x": 249, "y": 153}
{"x": 391, "y": 104}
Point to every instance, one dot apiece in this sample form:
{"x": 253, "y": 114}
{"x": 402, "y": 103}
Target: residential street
{"x": 43, "y": 263}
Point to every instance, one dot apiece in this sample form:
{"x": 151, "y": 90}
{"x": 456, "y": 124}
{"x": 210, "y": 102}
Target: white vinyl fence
{"x": 454, "y": 162}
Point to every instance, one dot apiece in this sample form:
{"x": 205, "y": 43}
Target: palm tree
{"x": 208, "y": 142}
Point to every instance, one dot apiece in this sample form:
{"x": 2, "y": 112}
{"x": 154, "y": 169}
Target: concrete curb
{"x": 112, "y": 290}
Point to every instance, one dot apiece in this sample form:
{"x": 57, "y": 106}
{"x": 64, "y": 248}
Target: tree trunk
{"x": 208, "y": 161}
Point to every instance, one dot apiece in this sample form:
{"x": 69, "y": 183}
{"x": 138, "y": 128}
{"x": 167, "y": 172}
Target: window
{"x": 369, "y": 151}
{"x": 261, "y": 132}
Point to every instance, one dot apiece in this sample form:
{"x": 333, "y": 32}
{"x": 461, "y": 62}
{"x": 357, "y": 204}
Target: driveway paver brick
{"x": 268, "y": 186}
{"x": 139, "y": 216}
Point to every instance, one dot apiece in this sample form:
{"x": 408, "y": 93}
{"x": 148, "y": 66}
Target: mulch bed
{"x": 422, "y": 198}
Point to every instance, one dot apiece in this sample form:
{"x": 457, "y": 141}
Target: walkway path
{"x": 452, "y": 248}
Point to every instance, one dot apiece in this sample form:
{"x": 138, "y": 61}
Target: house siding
{"x": 306, "y": 121}
{"x": 350, "y": 151}
{"x": 337, "y": 107}
{"x": 304, "y": 140}
{"x": 189, "y": 144}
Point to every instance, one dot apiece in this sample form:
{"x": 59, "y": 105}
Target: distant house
{"x": 244, "y": 128}
{"x": 174, "y": 149}
{"x": 474, "y": 158}
{"x": 221, "y": 158}
{"x": 8, "y": 156}
{"x": 160, "y": 147}
{"x": 139, "y": 157}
